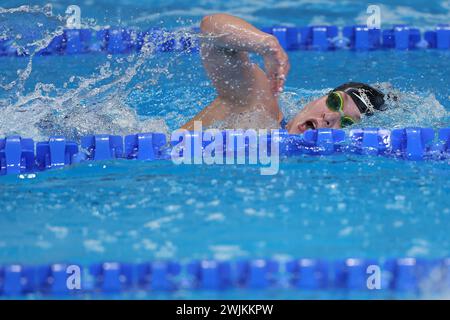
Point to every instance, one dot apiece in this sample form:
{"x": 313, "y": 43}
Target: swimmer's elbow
{"x": 212, "y": 22}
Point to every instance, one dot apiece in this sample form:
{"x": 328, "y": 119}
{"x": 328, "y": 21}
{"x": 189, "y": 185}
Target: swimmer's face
{"x": 316, "y": 115}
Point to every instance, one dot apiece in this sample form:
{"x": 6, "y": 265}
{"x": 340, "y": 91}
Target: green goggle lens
{"x": 346, "y": 121}
{"x": 334, "y": 101}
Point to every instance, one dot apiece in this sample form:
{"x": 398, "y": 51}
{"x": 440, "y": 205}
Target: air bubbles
{"x": 48, "y": 10}
{"x": 27, "y": 176}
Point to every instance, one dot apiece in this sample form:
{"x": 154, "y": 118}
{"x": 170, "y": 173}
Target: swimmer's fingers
{"x": 277, "y": 67}
{"x": 280, "y": 84}
{"x": 283, "y": 72}
{"x": 276, "y": 81}
{"x": 272, "y": 72}
{"x": 280, "y": 77}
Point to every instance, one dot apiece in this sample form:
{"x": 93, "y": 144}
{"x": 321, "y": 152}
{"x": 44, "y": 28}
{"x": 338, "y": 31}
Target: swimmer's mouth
{"x": 310, "y": 125}
{"x": 307, "y": 125}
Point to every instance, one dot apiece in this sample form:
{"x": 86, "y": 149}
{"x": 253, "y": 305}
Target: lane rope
{"x": 324, "y": 38}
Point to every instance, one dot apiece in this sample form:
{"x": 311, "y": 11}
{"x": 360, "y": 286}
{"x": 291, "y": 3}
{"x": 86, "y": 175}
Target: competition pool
{"x": 327, "y": 208}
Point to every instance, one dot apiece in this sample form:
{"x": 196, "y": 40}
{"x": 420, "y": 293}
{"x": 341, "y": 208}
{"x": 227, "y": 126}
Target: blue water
{"x": 331, "y": 207}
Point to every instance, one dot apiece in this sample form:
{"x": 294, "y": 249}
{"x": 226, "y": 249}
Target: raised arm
{"x": 227, "y": 38}
{"x": 241, "y": 85}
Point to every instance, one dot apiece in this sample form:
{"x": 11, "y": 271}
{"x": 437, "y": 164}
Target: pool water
{"x": 322, "y": 207}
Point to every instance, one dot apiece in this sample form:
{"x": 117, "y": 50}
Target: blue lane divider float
{"x": 360, "y": 37}
{"x": 145, "y": 146}
{"x": 401, "y": 37}
{"x": 392, "y": 276}
{"x": 323, "y": 142}
{"x": 20, "y": 156}
{"x": 55, "y": 153}
{"x": 112, "y": 40}
{"x": 356, "y": 37}
{"x": 370, "y": 141}
{"x": 439, "y": 38}
{"x": 443, "y": 143}
{"x": 305, "y": 38}
{"x": 103, "y": 147}
{"x": 16, "y": 155}
{"x": 412, "y": 143}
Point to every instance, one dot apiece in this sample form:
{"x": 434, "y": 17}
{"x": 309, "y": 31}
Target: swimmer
{"x": 243, "y": 88}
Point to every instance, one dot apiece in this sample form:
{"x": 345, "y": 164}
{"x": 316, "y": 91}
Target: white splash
{"x": 96, "y": 103}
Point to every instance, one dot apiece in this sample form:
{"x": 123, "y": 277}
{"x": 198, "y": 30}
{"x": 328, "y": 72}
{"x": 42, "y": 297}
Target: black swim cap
{"x": 366, "y": 98}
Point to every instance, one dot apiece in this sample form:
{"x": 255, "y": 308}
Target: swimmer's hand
{"x": 235, "y": 35}
{"x": 276, "y": 63}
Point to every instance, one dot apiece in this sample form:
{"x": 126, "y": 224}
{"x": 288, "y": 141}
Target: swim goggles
{"x": 335, "y": 102}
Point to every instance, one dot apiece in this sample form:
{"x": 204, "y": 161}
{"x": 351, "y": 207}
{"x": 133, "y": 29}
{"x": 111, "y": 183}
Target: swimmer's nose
{"x": 331, "y": 119}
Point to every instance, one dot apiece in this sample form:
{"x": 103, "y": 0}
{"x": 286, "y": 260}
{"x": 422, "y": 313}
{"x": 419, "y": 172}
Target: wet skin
{"x": 243, "y": 87}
